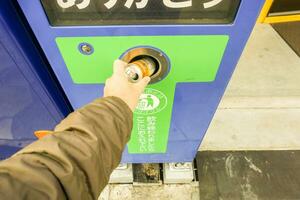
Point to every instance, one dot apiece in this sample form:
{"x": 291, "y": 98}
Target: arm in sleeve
{"x": 74, "y": 162}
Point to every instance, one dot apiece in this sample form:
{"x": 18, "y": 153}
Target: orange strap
{"x": 42, "y": 133}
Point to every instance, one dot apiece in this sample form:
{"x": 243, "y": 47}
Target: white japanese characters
{"x": 143, "y": 3}
{"x": 70, "y": 3}
{"x": 211, "y": 3}
{"x": 110, "y": 4}
{"x": 138, "y": 3}
{"x": 183, "y": 4}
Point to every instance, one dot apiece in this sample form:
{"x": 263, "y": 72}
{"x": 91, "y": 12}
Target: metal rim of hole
{"x": 86, "y": 48}
{"x": 155, "y": 53}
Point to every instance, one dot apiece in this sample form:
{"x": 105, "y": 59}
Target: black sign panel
{"x": 131, "y": 12}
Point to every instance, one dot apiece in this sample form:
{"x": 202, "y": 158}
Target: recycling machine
{"x": 194, "y": 46}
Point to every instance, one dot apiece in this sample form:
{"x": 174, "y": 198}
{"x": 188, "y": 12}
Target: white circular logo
{"x": 151, "y": 101}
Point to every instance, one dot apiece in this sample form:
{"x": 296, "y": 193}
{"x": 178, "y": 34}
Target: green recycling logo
{"x": 151, "y": 101}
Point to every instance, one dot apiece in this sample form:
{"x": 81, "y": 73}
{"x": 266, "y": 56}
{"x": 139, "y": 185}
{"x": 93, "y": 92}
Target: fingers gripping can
{"x": 139, "y": 69}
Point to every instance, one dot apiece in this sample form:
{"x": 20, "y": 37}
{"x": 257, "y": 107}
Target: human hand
{"x": 118, "y": 85}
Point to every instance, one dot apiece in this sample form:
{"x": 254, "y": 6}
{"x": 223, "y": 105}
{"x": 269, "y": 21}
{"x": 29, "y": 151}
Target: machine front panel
{"x": 153, "y": 114}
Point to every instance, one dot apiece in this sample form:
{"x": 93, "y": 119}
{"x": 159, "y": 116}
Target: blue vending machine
{"x": 29, "y": 97}
{"x": 195, "y": 45}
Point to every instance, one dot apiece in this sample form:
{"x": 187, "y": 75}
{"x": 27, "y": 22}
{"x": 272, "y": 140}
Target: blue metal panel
{"x": 195, "y": 103}
{"x": 26, "y": 104}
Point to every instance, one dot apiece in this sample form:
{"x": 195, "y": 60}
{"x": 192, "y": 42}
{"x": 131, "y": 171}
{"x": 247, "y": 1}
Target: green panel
{"x": 193, "y": 59}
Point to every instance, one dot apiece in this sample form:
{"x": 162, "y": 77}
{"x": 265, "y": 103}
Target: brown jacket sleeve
{"x": 76, "y": 161}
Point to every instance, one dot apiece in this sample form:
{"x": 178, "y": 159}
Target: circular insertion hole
{"x": 155, "y": 61}
{"x": 159, "y": 59}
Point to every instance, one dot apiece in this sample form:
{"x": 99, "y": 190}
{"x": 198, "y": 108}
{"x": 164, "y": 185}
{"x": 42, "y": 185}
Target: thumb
{"x": 144, "y": 82}
{"x": 119, "y": 67}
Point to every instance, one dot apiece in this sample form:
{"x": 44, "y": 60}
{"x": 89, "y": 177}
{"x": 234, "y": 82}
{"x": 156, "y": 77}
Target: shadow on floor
{"x": 290, "y": 32}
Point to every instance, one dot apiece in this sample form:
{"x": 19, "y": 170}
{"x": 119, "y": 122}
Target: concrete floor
{"x": 261, "y": 107}
{"x": 160, "y": 192}
{"x": 260, "y": 111}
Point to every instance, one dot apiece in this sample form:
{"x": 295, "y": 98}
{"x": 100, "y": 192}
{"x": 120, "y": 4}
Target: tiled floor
{"x": 260, "y": 110}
